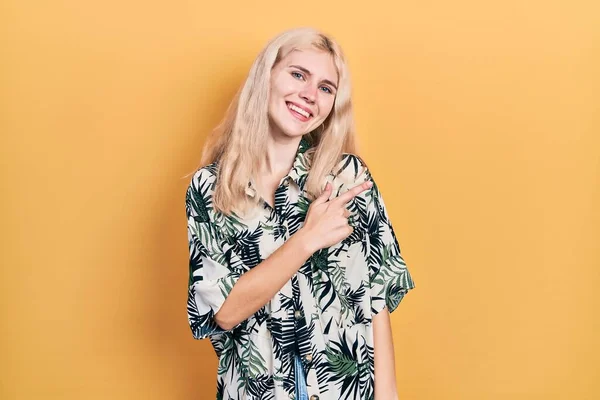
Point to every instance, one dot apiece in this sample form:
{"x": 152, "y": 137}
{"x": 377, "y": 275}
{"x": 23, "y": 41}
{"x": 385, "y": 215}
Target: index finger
{"x": 347, "y": 196}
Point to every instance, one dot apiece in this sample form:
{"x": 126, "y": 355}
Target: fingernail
{"x": 369, "y": 183}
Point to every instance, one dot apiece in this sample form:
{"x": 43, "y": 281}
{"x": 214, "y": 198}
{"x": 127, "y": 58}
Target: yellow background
{"x": 480, "y": 121}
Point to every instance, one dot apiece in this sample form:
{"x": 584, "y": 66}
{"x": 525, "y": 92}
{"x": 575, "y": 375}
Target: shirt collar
{"x": 299, "y": 169}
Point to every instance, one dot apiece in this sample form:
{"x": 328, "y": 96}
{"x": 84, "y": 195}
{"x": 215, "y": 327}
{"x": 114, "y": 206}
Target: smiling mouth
{"x": 297, "y": 111}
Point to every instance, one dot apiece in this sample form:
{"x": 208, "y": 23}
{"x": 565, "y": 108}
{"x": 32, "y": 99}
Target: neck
{"x": 279, "y": 156}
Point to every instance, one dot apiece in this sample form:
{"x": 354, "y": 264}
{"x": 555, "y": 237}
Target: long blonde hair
{"x": 238, "y": 141}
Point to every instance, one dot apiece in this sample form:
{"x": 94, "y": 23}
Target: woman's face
{"x": 303, "y": 88}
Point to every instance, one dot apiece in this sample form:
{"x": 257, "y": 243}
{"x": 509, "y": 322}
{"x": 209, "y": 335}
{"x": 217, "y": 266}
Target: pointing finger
{"x": 347, "y": 196}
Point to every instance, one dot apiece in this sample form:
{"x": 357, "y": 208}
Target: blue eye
{"x": 297, "y": 75}
{"x": 326, "y": 89}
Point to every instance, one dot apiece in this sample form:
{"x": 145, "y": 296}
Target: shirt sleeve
{"x": 213, "y": 266}
{"x": 389, "y": 277}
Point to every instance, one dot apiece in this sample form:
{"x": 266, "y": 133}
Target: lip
{"x": 302, "y": 107}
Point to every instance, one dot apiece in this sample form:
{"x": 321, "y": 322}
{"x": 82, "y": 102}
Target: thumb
{"x": 324, "y": 196}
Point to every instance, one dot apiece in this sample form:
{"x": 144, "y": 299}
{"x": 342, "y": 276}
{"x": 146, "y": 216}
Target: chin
{"x": 292, "y": 131}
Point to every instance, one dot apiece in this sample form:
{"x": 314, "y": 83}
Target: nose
{"x": 309, "y": 94}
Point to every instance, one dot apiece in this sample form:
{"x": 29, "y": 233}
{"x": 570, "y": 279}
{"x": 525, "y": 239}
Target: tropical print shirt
{"x": 324, "y": 312}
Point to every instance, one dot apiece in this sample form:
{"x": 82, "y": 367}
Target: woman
{"x": 294, "y": 265}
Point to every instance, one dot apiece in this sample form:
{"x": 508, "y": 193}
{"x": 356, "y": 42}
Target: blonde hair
{"x": 236, "y": 143}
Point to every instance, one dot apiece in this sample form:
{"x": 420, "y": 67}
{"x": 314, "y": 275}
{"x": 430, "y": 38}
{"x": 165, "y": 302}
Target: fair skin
{"x": 303, "y": 87}
{"x": 304, "y": 82}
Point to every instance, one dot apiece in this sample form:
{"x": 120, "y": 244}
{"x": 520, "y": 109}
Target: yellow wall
{"x": 481, "y": 122}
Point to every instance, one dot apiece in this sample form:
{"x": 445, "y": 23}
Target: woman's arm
{"x": 326, "y": 223}
{"x": 257, "y": 286}
{"x": 385, "y": 372}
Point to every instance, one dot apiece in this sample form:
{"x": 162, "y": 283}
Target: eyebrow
{"x": 307, "y": 72}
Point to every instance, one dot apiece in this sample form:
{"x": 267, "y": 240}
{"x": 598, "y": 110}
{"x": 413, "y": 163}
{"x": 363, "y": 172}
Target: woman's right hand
{"x": 326, "y": 221}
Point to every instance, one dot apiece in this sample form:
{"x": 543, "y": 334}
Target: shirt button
{"x": 314, "y": 397}
{"x": 308, "y": 358}
{"x": 298, "y": 314}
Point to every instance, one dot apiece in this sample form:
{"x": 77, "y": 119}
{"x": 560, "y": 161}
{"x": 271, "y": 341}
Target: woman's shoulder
{"x": 351, "y": 167}
{"x": 205, "y": 175}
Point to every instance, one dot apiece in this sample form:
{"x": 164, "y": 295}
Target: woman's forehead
{"x": 319, "y": 62}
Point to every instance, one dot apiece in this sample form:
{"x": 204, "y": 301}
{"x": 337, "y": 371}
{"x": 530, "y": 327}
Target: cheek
{"x": 276, "y": 95}
{"x": 282, "y": 86}
{"x": 326, "y": 106}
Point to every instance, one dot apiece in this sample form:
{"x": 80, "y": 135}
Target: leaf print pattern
{"x": 324, "y": 312}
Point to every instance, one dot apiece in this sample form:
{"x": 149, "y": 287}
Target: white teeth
{"x": 298, "y": 110}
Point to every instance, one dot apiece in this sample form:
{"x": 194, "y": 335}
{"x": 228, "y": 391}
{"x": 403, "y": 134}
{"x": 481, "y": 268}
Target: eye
{"x": 297, "y": 75}
{"x": 326, "y": 89}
